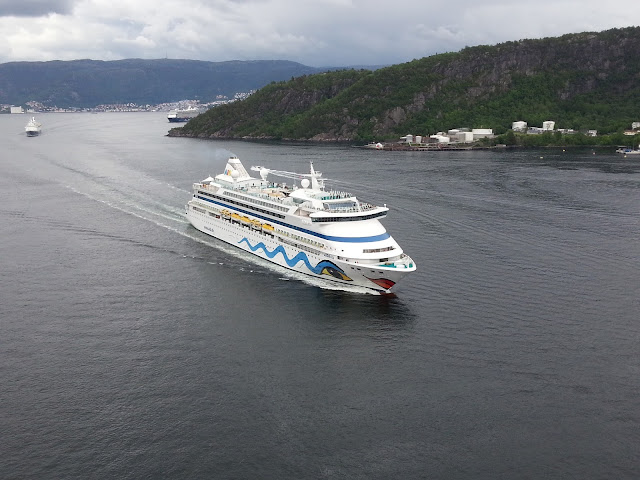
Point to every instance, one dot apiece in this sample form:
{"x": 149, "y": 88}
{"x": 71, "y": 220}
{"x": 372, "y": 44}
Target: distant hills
{"x": 87, "y": 83}
{"x": 581, "y": 81}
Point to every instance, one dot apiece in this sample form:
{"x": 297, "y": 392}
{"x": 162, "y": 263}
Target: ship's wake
{"x": 174, "y": 220}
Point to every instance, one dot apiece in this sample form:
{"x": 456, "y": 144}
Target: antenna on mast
{"x": 317, "y": 183}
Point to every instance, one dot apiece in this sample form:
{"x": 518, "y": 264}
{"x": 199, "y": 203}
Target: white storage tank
{"x": 482, "y": 133}
{"x": 464, "y": 137}
{"x": 519, "y": 126}
{"x": 548, "y": 125}
{"x": 440, "y": 138}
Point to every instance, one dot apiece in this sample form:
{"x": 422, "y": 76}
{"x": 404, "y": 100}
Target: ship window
{"x": 339, "y": 205}
{"x": 374, "y": 250}
{"x": 244, "y": 205}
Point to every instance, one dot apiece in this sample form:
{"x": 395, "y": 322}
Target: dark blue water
{"x": 133, "y": 346}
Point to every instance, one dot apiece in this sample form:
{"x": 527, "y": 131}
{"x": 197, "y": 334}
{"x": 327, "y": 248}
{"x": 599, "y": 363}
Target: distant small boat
{"x": 628, "y": 151}
{"x": 33, "y": 127}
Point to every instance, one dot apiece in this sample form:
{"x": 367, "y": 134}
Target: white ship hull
{"x": 272, "y": 247}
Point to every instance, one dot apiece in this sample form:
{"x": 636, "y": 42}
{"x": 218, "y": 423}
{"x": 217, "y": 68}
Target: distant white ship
{"x": 374, "y": 146}
{"x": 326, "y": 234}
{"x": 182, "y": 115}
{"x": 33, "y": 127}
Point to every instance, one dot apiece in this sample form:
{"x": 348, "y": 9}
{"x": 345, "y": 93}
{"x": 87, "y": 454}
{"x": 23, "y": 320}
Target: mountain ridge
{"x": 585, "y": 80}
{"x": 88, "y": 83}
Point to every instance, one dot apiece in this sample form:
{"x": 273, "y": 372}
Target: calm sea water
{"x": 133, "y": 346}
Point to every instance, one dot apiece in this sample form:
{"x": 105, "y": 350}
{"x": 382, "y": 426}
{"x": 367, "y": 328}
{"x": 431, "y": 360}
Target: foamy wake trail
{"x": 149, "y": 215}
{"x": 130, "y": 208}
{"x": 182, "y": 190}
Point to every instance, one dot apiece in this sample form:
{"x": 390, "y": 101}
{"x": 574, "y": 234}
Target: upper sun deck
{"x": 310, "y": 199}
{"x": 332, "y": 201}
{"x": 322, "y": 206}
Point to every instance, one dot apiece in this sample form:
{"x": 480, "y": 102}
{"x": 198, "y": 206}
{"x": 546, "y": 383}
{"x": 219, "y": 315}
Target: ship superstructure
{"x": 182, "y": 115}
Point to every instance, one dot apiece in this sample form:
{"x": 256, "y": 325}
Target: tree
{"x": 510, "y": 138}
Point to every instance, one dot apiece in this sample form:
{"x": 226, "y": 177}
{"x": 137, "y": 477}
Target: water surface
{"x": 133, "y": 346}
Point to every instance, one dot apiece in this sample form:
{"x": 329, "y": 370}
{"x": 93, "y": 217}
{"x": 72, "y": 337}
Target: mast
{"x": 314, "y": 180}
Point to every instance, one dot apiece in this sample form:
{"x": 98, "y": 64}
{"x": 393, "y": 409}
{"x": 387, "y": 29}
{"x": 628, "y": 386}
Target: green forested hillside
{"x": 278, "y": 107}
{"x": 582, "y": 81}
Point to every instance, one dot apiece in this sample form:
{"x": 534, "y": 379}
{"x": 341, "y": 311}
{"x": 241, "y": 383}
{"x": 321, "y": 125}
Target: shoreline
{"x": 392, "y": 146}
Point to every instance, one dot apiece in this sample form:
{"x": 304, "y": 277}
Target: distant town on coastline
{"x": 38, "y": 107}
{"x": 472, "y": 135}
{"x": 520, "y": 134}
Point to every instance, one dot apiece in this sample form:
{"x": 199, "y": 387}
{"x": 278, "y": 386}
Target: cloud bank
{"x": 34, "y": 8}
{"x": 315, "y": 33}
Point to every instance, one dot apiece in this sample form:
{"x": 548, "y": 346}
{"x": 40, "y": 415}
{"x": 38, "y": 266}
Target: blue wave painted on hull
{"x": 324, "y": 267}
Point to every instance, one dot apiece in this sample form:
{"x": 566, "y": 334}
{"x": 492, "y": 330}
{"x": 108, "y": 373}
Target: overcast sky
{"x": 312, "y": 32}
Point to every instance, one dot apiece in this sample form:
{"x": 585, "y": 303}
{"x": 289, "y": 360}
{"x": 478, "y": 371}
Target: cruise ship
{"x": 182, "y": 115}
{"x": 33, "y": 127}
{"x": 327, "y": 234}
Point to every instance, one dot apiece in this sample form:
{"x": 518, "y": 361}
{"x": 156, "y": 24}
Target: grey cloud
{"x": 317, "y": 33}
{"x": 34, "y": 8}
